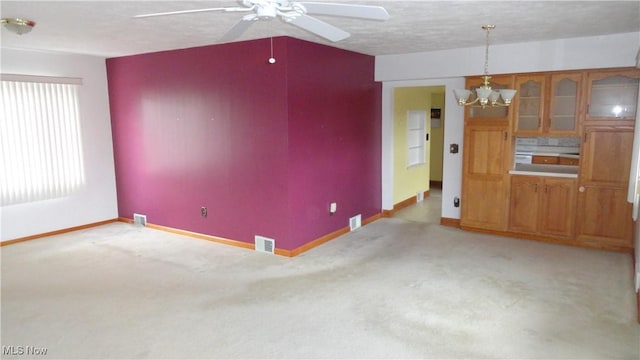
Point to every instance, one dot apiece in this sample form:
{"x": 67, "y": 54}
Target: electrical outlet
{"x": 203, "y": 211}
{"x": 456, "y": 202}
{"x": 332, "y": 208}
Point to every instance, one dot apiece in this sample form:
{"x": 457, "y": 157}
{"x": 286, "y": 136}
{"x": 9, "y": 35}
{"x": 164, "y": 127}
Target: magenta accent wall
{"x": 265, "y": 147}
{"x": 334, "y": 138}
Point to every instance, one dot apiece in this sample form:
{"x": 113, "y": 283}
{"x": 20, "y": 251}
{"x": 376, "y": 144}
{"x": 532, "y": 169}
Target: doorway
{"x": 452, "y": 126}
{"x": 418, "y": 139}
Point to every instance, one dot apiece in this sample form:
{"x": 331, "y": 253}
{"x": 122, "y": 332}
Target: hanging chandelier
{"x": 485, "y": 95}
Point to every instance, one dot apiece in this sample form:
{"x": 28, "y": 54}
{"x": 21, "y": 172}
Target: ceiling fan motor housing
{"x": 266, "y": 12}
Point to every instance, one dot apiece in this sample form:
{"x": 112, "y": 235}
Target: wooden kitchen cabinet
{"x": 604, "y": 215}
{"x": 558, "y": 207}
{"x": 524, "y": 203}
{"x": 542, "y": 205}
{"x": 548, "y": 104}
{"x": 554, "y": 160}
{"x": 596, "y": 106}
{"x": 485, "y": 185}
{"x": 529, "y": 104}
{"x": 568, "y": 161}
{"x": 542, "y": 159}
{"x": 612, "y": 96}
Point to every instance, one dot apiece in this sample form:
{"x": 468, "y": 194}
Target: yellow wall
{"x": 407, "y": 182}
{"x": 437, "y": 134}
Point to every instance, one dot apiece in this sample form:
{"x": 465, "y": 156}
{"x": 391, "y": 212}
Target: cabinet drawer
{"x": 544, "y": 159}
{"x": 568, "y": 161}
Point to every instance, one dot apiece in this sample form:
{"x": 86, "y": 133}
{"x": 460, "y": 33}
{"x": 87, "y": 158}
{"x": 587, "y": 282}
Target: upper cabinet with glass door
{"x": 612, "y": 96}
{"x": 489, "y": 114}
{"x": 548, "y": 104}
{"x": 529, "y": 104}
{"x": 564, "y": 102}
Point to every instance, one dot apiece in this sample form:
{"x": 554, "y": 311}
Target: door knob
{"x": 581, "y": 189}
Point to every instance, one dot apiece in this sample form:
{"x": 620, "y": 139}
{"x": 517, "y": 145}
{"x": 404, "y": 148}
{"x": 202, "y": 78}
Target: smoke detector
{"x": 18, "y": 26}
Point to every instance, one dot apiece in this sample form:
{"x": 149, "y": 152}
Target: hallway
{"x": 427, "y": 211}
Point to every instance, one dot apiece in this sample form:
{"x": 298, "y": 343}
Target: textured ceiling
{"x": 107, "y": 28}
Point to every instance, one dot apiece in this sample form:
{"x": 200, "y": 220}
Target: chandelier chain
{"x": 485, "y": 96}
{"x": 486, "y": 53}
{"x": 271, "y": 37}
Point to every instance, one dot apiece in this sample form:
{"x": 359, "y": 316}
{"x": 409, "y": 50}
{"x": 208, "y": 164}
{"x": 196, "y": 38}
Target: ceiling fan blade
{"x": 179, "y": 12}
{"x": 238, "y": 29}
{"x": 346, "y": 10}
{"x": 319, "y": 28}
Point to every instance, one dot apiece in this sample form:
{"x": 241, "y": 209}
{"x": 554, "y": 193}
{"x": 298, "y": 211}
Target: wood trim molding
{"x": 372, "y": 219}
{"x": 450, "y": 222}
{"x": 282, "y": 252}
{"x": 215, "y": 239}
{"x": 553, "y": 240}
{"x": 57, "y": 232}
{"x": 314, "y": 243}
{"x": 323, "y": 239}
{"x": 403, "y": 204}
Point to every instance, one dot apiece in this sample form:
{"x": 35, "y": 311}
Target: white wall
{"x": 634, "y": 186}
{"x": 449, "y": 67}
{"x": 97, "y": 201}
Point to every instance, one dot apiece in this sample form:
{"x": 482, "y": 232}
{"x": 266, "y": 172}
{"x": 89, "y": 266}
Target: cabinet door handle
{"x": 581, "y": 189}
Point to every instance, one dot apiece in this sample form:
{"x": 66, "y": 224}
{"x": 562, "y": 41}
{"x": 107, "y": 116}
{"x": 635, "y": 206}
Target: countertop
{"x": 566, "y": 171}
{"x": 568, "y": 156}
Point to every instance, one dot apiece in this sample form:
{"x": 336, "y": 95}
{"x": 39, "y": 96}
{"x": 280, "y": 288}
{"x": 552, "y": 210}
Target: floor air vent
{"x": 139, "y": 219}
{"x": 355, "y": 222}
{"x": 264, "y": 244}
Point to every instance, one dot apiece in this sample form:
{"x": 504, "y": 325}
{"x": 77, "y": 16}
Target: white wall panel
{"x": 97, "y": 200}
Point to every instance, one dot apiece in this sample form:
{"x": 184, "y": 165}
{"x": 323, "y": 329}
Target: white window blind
{"x": 40, "y": 139}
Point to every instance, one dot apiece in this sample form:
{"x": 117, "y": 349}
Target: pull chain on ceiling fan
{"x": 291, "y": 12}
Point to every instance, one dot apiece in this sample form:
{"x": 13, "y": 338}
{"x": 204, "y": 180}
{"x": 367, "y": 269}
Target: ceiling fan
{"x": 292, "y": 12}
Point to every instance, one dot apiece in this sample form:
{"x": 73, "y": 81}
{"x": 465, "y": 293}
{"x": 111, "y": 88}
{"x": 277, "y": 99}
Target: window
{"x": 40, "y": 141}
{"x": 416, "y": 120}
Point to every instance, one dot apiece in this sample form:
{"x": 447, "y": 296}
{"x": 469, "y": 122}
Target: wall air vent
{"x": 139, "y": 219}
{"x": 264, "y": 244}
{"x": 355, "y": 222}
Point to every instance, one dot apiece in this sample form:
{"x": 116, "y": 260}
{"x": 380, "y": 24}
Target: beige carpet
{"x": 393, "y": 289}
